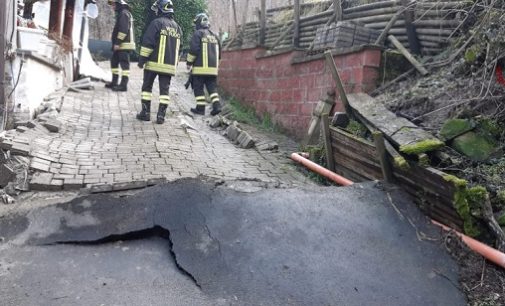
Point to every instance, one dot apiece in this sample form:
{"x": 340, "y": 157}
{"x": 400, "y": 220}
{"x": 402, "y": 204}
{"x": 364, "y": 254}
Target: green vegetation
{"x": 317, "y": 154}
{"x": 473, "y": 145}
{"x": 356, "y": 128}
{"x": 246, "y": 114}
{"x": 455, "y": 127}
{"x": 422, "y": 146}
{"x": 467, "y": 203}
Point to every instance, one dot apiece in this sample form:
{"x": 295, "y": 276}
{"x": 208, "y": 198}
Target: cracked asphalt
{"x": 357, "y": 245}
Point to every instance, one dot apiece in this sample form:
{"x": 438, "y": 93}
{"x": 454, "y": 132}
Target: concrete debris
{"x": 232, "y": 132}
{"x": 52, "y": 125}
{"x": 245, "y": 140}
{"x": 267, "y": 145}
{"x": 186, "y": 122}
{"x": 81, "y": 84}
{"x": 215, "y": 122}
{"x": 7, "y": 199}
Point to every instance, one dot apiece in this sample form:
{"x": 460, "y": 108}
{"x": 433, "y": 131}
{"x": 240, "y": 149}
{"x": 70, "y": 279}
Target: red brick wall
{"x": 289, "y": 91}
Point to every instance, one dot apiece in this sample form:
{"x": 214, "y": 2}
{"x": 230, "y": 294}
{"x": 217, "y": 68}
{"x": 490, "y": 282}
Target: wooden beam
{"x": 244, "y": 14}
{"x": 68, "y": 26}
{"x": 263, "y": 22}
{"x": 235, "y": 22}
{"x": 296, "y": 24}
{"x": 408, "y": 15}
{"x": 325, "y": 131}
{"x": 337, "y": 8}
{"x": 407, "y": 55}
{"x": 378, "y": 138}
{"x": 382, "y": 37}
{"x": 340, "y": 87}
{"x": 3, "y": 43}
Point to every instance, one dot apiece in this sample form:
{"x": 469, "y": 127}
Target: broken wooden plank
{"x": 378, "y": 138}
{"x": 322, "y": 107}
{"x": 407, "y": 55}
{"x": 404, "y": 134}
{"x": 338, "y": 82}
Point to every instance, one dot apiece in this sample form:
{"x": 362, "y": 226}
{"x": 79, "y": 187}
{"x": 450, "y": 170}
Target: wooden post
{"x": 325, "y": 131}
{"x": 263, "y": 22}
{"x": 55, "y": 15}
{"x": 69, "y": 22}
{"x": 3, "y": 24}
{"x": 235, "y": 22}
{"x": 244, "y": 14}
{"x": 337, "y": 7}
{"x": 296, "y": 24}
{"x": 338, "y": 81}
{"x": 407, "y": 55}
{"x": 378, "y": 138}
{"x": 408, "y": 15}
{"x": 382, "y": 37}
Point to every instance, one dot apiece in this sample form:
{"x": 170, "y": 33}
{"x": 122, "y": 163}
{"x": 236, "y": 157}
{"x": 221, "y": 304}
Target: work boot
{"x": 123, "y": 86}
{"x": 160, "y": 117}
{"x": 145, "y": 114}
{"x": 216, "y": 108}
{"x": 113, "y": 83}
{"x": 199, "y": 110}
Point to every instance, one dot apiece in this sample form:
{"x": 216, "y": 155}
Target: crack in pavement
{"x": 155, "y": 231}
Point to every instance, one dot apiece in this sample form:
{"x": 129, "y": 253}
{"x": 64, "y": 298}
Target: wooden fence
{"x": 433, "y": 21}
{"x": 356, "y": 159}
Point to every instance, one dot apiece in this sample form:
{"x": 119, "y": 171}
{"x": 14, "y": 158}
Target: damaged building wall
{"x": 288, "y": 87}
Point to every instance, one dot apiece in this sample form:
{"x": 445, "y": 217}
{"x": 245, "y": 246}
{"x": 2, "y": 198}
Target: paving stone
{"x": 55, "y": 185}
{"x": 38, "y": 166}
{"x": 72, "y": 183}
{"x": 41, "y": 181}
{"x": 245, "y": 140}
{"x": 232, "y": 132}
{"x": 6, "y": 144}
{"x": 267, "y": 145}
{"x": 215, "y": 122}
{"x": 52, "y": 125}
{"x": 101, "y": 188}
{"x": 20, "y": 149}
{"x": 22, "y": 129}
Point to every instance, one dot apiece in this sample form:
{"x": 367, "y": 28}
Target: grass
{"x": 247, "y": 115}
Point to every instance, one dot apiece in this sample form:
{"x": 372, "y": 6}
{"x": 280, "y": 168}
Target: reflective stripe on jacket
{"x": 160, "y": 46}
{"x": 123, "y": 34}
{"x": 204, "y": 53}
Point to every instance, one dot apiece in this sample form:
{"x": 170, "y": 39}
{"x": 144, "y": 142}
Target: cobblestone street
{"x": 102, "y": 146}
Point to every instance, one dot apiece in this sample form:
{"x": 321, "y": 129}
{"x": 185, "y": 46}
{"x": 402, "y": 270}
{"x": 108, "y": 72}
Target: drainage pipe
{"x": 486, "y": 251}
{"x": 320, "y": 170}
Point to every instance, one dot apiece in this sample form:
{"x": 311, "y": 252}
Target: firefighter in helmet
{"x": 123, "y": 43}
{"x": 203, "y": 60}
{"x": 159, "y": 56}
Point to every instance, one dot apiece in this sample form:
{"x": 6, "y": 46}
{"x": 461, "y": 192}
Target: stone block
{"x": 72, "y": 183}
{"x": 41, "y": 181}
{"x": 52, "y": 125}
{"x": 267, "y": 145}
{"x": 232, "y": 132}
{"x": 129, "y": 185}
{"x": 39, "y": 165}
{"x": 215, "y": 122}
{"x": 245, "y": 140}
{"x": 20, "y": 149}
{"x": 101, "y": 188}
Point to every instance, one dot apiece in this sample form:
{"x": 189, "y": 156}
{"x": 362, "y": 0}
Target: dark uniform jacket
{"x": 204, "y": 52}
{"x": 123, "y": 34}
{"x": 160, "y": 46}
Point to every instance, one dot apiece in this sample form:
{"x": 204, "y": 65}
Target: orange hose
{"x": 488, "y": 252}
{"x": 320, "y": 170}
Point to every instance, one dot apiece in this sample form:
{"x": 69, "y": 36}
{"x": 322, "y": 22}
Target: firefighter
{"x": 159, "y": 55}
{"x": 203, "y": 60}
{"x": 123, "y": 43}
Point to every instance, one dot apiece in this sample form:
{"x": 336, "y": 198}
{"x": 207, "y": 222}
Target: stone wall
{"x": 288, "y": 89}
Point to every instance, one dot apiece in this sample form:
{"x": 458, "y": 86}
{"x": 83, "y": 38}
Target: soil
{"x": 482, "y": 281}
